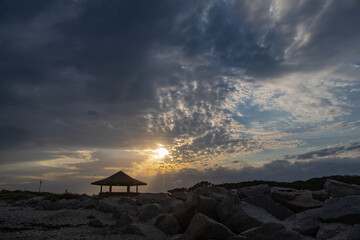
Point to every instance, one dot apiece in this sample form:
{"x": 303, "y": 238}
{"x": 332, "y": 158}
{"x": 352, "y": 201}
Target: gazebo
{"x": 119, "y": 179}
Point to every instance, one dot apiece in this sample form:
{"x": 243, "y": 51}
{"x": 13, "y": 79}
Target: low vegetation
{"x": 311, "y": 184}
{"x": 23, "y": 195}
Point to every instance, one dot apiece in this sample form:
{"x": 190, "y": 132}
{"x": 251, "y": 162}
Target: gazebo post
{"x": 100, "y": 188}
{"x": 110, "y": 188}
{"x": 128, "y": 188}
{"x": 137, "y": 186}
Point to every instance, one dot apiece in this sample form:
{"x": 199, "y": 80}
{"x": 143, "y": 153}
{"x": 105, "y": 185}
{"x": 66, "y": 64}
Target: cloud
{"x": 208, "y": 79}
{"x": 12, "y": 136}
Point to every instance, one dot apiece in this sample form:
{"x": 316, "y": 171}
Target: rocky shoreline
{"x": 258, "y": 212}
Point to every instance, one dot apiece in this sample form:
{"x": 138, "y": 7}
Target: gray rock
{"x": 306, "y": 222}
{"x": 145, "y": 230}
{"x": 162, "y": 199}
{"x": 206, "y": 206}
{"x": 296, "y": 200}
{"x": 182, "y": 237}
{"x": 96, "y": 223}
{"x": 129, "y": 200}
{"x": 108, "y": 205}
{"x": 264, "y": 201}
{"x": 168, "y": 224}
{"x": 180, "y": 195}
{"x": 69, "y": 203}
{"x": 329, "y": 230}
{"x": 272, "y": 231}
{"x": 123, "y": 219}
{"x": 232, "y": 215}
{"x": 258, "y": 213}
{"x": 351, "y": 234}
{"x": 217, "y": 193}
{"x": 184, "y": 213}
{"x": 340, "y": 189}
{"x": 237, "y": 237}
{"x": 32, "y": 202}
{"x": 90, "y": 204}
{"x": 49, "y": 205}
{"x": 84, "y": 197}
{"x": 127, "y": 208}
{"x": 346, "y": 210}
{"x": 320, "y": 195}
{"x": 149, "y": 211}
{"x": 203, "y": 227}
{"x": 253, "y": 190}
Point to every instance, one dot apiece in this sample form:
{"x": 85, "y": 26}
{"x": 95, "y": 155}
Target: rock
{"x": 128, "y": 200}
{"x": 123, "y": 220}
{"x": 279, "y": 211}
{"x": 232, "y": 215}
{"x": 296, "y": 200}
{"x": 49, "y": 205}
{"x": 90, "y": 204}
{"x": 95, "y": 223}
{"x": 237, "y": 237}
{"x": 329, "y": 230}
{"x": 206, "y": 206}
{"x": 32, "y": 202}
{"x": 320, "y": 195}
{"x": 217, "y": 193}
{"x": 182, "y": 237}
{"x": 184, "y": 213}
{"x": 346, "y": 210}
{"x": 108, "y": 205}
{"x": 203, "y": 227}
{"x": 306, "y": 222}
{"x": 162, "y": 199}
{"x": 149, "y": 211}
{"x": 69, "y": 203}
{"x": 351, "y": 234}
{"x": 272, "y": 231}
{"x": 84, "y": 197}
{"x": 180, "y": 195}
{"x": 253, "y": 190}
{"x": 168, "y": 224}
{"x": 258, "y": 213}
{"x": 148, "y": 231}
{"x": 126, "y": 208}
{"x": 340, "y": 189}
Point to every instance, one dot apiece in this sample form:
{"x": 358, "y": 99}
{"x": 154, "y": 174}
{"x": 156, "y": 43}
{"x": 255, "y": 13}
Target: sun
{"x": 160, "y": 153}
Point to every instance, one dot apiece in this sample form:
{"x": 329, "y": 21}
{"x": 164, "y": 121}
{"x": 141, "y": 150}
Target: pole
{"x": 40, "y": 185}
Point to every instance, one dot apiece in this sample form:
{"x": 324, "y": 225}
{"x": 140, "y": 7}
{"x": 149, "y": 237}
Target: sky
{"x": 176, "y": 92}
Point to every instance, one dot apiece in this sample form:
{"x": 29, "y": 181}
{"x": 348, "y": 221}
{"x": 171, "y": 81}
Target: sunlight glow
{"x": 160, "y": 153}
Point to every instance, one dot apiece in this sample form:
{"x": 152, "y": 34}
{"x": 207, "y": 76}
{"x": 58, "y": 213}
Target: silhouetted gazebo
{"x": 119, "y": 179}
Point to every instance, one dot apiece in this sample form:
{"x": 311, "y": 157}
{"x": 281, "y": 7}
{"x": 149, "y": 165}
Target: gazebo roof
{"x": 119, "y": 179}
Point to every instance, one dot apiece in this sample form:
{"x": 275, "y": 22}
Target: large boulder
{"x": 126, "y": 208}
{"x": 258, "y": 213}
{"x": 217, "y": 193}
{"x": 142, "y": 231}
{"x": 296, "y": 200}
{"x": 184, "y": 213}
{"x": 306, "y": 222}
{"x": 340, "y": 189}
{"x": 350, "y": 234}
{"x": 149, "y": 211}
{"x": 321, "y": 195}
{"x": 203, "y": 227}
{"x": 162, "y": 199}
{"x": 264, "y": 201}
{"x": 168, "y": 224}
{"x": 70, "y": 203}
{"x": 329, "y": 230}
{"x": 272, "y": 231}
{"x": 108, "y": 205}
{"x": 204, "y": 205}
{"x": 123, "y": 220}
{"x": 253, "y": 190}
{"x": 49, "y": 205}
{"x": 346, "y": 210}
{"x": 232, "y": 214}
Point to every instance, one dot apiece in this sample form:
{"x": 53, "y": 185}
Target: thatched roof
{"x": 119, "y": 179}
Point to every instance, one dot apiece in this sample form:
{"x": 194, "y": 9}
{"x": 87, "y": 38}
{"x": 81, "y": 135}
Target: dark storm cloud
{"x": 12, "y": 136}
{"x": 85, "y": 73}
{"x": 333, "y": 151}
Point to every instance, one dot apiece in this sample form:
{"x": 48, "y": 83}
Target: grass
{"x": 24, "y": 195}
